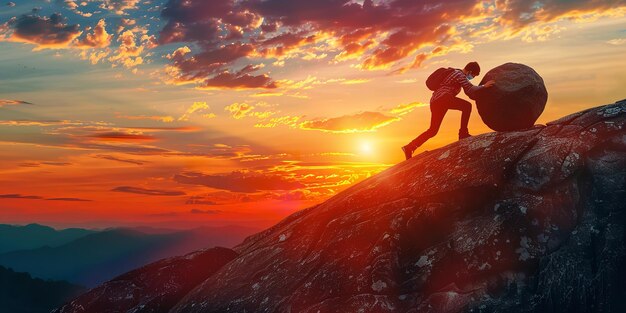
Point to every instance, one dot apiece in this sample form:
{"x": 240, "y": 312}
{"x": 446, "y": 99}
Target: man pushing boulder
{"x": 446, "y": 83}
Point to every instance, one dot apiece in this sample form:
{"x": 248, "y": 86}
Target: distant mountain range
{"x": 152, "y": 288}
{"x": 98, "y": 256}
{"x": 20, "y": 293}
{"x": 15, "y": 237}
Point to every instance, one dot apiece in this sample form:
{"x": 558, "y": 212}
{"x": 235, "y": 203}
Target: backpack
{"x": 434, "y": 81}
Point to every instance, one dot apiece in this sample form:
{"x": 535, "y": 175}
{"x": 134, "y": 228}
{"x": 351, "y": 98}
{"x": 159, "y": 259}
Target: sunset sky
{"x": 183, "y": 113}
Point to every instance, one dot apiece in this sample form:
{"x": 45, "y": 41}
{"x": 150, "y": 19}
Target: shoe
{"x": 464, "y": 134}
{"x": 408, "y": 153}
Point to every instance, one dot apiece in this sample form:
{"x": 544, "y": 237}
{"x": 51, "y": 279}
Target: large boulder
{"x": 517, "y": 99}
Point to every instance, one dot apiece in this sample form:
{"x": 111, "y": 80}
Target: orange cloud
{"x": 39, "y": 122}
{"x": 4, "y": 102}
{"x": 241, "y": 181}
{"x": 196, "y": 107}
{"x": 98, "y": 39}
{"x": 291, "y": 121}
{"x": 120, "y": 136}
{"x": 38, "y": 164}
{"x": 361, "y": 122}
{"x": 165, "y": 119}
{"x": 239, "y": 110}
{"x": 404, "y": 109}
{"x": 417, "y": 63}
{"x": 128, "y": 53}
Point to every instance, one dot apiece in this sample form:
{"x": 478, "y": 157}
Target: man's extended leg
{"x": 438, "y": 111}
{"x": 466, "y": 109}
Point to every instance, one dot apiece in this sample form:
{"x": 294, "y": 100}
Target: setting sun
{"x": 366, "y": 147}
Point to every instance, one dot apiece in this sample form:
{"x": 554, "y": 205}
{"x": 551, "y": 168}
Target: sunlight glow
{"x": 366, "y": 147}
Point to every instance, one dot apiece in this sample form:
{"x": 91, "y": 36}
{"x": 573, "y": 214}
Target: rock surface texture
{"x": 525, "y": 221}
{"x": 155, "y": 287}
{"x": 517, "y": 99}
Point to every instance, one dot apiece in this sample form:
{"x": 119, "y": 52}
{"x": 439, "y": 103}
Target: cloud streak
{"x": 6, "y": 102}
{"x": 20, "y": 196}
{"x": 113, "y": 158}
{"x": 361, "y": 122}
{"x": 239, "y": 181}
{"x": 149, "y": 192}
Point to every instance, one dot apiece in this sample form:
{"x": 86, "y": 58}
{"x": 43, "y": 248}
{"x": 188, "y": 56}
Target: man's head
{"x": 472, "y": 69}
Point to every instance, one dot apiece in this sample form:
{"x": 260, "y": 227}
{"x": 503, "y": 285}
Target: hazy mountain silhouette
{"x": 20, "y": 293}
{"x": 15, "y": 237}
{"x": 155, "y": 287}
{"x": 97, "y": 257}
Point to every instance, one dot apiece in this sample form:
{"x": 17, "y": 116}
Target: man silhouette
{"x": 444, "y": 98}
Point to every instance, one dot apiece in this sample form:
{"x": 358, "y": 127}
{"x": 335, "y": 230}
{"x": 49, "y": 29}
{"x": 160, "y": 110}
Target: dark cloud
{"x": 81, "y": 135}
{"x": 193, "y": 20}
{"x": 38, "y": 164}
{"x": 227, "y": 197}
{"x": 113, "y": 158}
{"x": 238, "y": 81}
{"x": 520, "y": 13}
{"x": 150, "y": 192}
{"x": 67, "y": 199}
{"x": 211, "y": 212}
{"x": 18, "y": 196}
{"x": 247, "y": 182}
{"x": 207, "y": 68}
{"x": 29, "y": 164}
{"x": 57, "y": 163}
{"x": 211, "y": 23}
{"x": 44, "y": 31}
{"x": 200, "y": 200}
{"x": 378, "y": 33}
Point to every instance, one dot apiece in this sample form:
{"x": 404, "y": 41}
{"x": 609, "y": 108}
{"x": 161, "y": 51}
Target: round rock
{"x": 517, "y": 99}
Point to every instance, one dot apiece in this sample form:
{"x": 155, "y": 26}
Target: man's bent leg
{"x": 466, "y": 110}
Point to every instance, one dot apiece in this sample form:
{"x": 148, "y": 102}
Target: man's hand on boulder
{"x": 489, "y": 83}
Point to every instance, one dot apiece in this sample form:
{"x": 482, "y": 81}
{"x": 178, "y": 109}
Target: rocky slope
{"x": 153, "y": 288}
{"x": 524, "y": 221}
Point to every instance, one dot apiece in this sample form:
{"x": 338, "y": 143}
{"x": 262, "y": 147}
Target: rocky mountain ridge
{"x": 521, "y": 221}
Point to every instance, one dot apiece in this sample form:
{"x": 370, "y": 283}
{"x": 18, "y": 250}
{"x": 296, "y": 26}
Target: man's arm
{"x": 468, "y": 88}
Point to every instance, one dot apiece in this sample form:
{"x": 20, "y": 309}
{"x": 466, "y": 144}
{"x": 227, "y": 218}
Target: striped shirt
{"x": 452, "y": 85}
